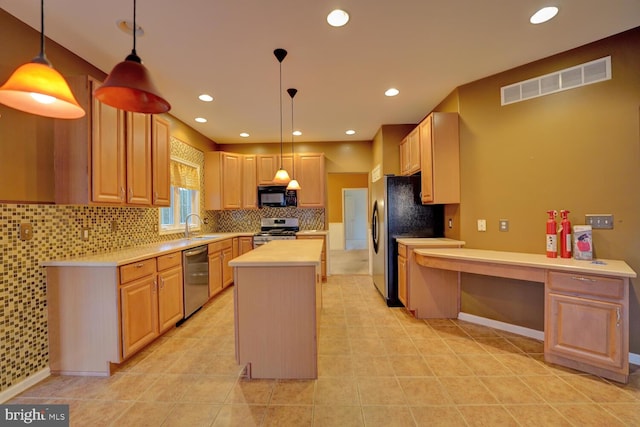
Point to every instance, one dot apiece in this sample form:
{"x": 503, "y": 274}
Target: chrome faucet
{"x": 186, "y": 223}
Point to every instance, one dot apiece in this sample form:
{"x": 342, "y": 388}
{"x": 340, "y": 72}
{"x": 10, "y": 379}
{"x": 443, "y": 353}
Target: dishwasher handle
{"x": 195, "y": 252}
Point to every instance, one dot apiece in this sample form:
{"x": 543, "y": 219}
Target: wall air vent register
{"x": 569, "y": 78}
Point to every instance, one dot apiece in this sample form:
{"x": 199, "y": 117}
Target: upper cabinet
{"x": 309, "y": 171}
{"x": 440, "y": 158}
{"x": 108, "y": 156}
{"x": 410, "y": 153}
{"x": 268, "y": 164}
{"x": 222, "y": 180}
{"x": 249, "y": 179}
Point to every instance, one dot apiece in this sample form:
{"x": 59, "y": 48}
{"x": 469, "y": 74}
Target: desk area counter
{"x": 586, "y": 303}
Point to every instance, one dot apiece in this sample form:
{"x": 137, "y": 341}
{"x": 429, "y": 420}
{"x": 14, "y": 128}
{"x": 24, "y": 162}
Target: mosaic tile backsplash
{"x": 56, "y": 235}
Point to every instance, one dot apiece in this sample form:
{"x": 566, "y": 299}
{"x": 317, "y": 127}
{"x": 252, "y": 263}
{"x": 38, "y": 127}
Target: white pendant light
{"x": 282, "y": 177}
{"x": 37, "y": 88}
{"x": 293, "y": 184}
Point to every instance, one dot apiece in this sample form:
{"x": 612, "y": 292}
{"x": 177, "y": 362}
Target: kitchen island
{"x": 277, "y": 302}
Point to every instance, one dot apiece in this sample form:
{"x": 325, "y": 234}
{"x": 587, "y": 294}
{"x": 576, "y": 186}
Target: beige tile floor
{"x": 378, "y": 366}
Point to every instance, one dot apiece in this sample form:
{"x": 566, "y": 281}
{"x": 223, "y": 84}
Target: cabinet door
{"x": 161, "y": 158}
{"x": 404, "y": 156}
{"x": 266, "y": 167}
{"x": 139, "y": 305}
{"x": 227, "y": 270}
{"x": 231, "y": 181}
{"x": 215, "y": 273}
{"x": 402, "y": 280}
{"x": 426, "y": 163}
{"x": 138, "y": 159}
{"x": 249, "y": 182}
{"x": 246, "y": 244}
{"x": 414, "y": 151}
{"x": 108, "y": 170}
{"x": 585, "y": 330}
{"x": 170, "y": 298}
{"x": 309, "y": 172}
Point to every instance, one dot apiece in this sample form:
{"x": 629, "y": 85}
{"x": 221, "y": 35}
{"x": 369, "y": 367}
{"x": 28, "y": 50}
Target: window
{"x": 185, "y": 198}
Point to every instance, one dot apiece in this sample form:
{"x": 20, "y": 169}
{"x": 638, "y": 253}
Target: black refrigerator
{"x": 398, "y": 212}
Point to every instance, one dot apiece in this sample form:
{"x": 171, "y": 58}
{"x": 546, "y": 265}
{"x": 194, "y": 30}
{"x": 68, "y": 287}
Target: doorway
{"x": 354, "y": 202}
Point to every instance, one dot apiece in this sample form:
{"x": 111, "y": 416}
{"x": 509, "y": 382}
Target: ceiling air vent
{"x": 569, "y": 78}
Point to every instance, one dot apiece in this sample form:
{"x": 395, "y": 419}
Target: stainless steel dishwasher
{"x": 195, "y": 262}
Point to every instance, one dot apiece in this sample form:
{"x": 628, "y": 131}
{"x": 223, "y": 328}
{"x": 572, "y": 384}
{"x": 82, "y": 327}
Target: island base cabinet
{"x": 83, "y": 320}
{"x": 276, "y": 316}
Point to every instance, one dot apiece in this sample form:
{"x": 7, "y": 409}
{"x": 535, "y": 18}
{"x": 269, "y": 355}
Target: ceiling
{"x": 424, "y": 48}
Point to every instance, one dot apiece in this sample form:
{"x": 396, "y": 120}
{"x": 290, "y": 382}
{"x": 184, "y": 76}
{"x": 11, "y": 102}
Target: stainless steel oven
{"x": 275, "y": 229}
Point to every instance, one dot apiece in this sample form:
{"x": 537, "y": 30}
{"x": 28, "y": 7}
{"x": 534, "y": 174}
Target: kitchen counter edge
{"x": 139, "y": 253}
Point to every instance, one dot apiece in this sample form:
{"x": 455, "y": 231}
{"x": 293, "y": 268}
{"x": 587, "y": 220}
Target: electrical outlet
{"x": 599, "y": 221}
{"x": 503, "y": 225}
{"x": 482, "y": 225}
{"x": 26, "y": 231}
{"x": 84, "y": 233}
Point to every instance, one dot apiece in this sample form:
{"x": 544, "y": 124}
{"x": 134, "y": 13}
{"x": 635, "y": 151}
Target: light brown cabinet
{"x": 220, "y": 272}
{"x": 310, "y": 173}
{"x": 587, "y": 323}
{"x": 249, "y": 182}
{"x": 160, "y": 161}
{"x": 268, "y": 164}
{"x": 245, "y": 244}
{"x": 402, "y": 274}
{"x": 139, "y": 305}
{"x": 105, "y": 158}
{"x": 223, "y": 180}
{"x": 440, "y": 158}
{"x": 324, "y": 250}
{"x": 410, "y": 160}
{"x": 170, "y": 290}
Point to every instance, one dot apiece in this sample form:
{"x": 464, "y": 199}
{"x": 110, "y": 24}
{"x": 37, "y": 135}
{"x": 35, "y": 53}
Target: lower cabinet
{"x": 220, "y": 273}
{"x": 587, "y": 323}
{"x": 402, "y": 274}
{"x": 245, "y": 244}
{"x": 170, "y": 290}
{"x": 324, "y": 250}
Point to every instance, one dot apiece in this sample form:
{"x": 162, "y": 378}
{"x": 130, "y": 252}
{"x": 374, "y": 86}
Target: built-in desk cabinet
{"x": 410, "y": 153}
{"x": 587, "y": 322}
{"x": 110, "y": 157}
{"x": 440, "y": 158}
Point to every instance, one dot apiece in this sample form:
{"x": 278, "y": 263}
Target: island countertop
{"x": 281, "y": 253}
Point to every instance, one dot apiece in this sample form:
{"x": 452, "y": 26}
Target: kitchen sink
{"x": 204, "y": 236}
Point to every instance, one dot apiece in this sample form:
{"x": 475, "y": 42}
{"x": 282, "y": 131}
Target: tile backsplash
{"x": 57, "y": 235}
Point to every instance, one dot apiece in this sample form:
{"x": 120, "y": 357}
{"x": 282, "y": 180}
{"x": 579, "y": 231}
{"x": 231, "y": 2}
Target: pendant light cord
{"x": 41, "y": 58}
{"x": 280, "y": 115}
{"x": 135, "y": 28}
{"x": 293, "y": 167}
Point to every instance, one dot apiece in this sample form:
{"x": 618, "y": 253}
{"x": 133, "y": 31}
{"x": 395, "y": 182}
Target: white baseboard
{"x": 531, "y": 333}
{"x": 16, "y": 389}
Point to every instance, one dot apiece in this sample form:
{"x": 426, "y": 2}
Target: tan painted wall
{"x": 577, "y": 150}
{"x": 335, "y": 183}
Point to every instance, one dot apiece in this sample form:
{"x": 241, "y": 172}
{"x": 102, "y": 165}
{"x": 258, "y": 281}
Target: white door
{"x": 355, "y": 218}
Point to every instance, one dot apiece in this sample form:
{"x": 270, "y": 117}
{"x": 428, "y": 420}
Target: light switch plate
{"x": 482, "y": 225}
{"x": 503, "y": 225}
{"x": 604, "y": 221}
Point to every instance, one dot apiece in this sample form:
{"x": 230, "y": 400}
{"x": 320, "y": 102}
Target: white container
{"x": 582, "y": 242}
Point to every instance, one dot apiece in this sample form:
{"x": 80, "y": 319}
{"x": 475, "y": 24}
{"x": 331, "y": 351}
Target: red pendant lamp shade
{"x": 129, "y": 87}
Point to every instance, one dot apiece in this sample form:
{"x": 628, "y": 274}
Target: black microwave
{"x": 276, "y": 196}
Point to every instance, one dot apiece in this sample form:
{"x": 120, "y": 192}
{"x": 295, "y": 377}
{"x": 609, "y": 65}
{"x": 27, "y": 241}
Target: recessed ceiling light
{"x": 543, "y": 15}
{"x": 350, "y": 132}
{"x": 244, "y": 135}
{"x": 391, "y": 92}
{"x": 205, "y": 97}
{"x": 337, "y": 18}
{"x": 201, "y": 120}
{"x": 297, "y": 133}
{"x": 127, "y": 27}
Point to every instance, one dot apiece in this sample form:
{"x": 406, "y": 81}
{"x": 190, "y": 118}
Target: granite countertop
{"x": 433, "y": 242}
{"x": 281, "y": 253}
{"x": 138, "y": 253}
{"x": 608, "y": 267}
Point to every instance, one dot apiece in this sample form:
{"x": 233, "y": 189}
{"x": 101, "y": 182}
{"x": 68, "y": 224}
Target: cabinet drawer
{"x": 402, "y": 250}
{"x": 221, "y": 245}
{"x": 137, "y": 270}
{"x": 169, "y": 260}
{"x": 585, "y": 284}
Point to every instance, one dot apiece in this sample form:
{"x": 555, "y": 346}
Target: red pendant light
{"x": 129, "y": 87}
